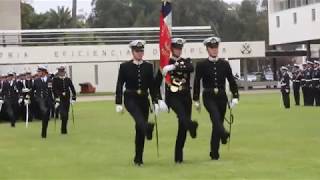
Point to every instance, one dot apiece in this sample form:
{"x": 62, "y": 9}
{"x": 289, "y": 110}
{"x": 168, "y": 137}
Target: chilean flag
{"x": 165, "y": 34}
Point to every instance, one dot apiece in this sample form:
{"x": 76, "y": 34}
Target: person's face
{"x": 10, "y": 78}
{"x": 61, "y": 73}
{"x": 213, "y": 51}
{"x": 41, "y": 73}
{"x": 138, "y": 54}
{"x": 176, "y": 52}
{"x": 28, "y": 76}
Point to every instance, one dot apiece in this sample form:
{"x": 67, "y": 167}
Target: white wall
{"x": 10, "y": 15}
{"x": 10, "y": 18}
{"x": 83, "y": 59}
{"x": 288, "y": 32}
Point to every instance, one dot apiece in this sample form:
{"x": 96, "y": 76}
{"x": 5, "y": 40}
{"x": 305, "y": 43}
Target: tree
{"x": 27, "y": 15}
{"x": 59, "y": 19}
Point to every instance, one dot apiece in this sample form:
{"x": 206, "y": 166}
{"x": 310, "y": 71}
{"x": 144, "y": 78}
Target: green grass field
{"x": 268, "y": 142}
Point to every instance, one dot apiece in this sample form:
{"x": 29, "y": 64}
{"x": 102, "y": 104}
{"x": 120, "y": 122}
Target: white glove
{"x": 168, "y": 68}
{"x": 20, "y": 100}
{"x": 26, "y": 102}
{"x": 119, "y": 108}
{"x": 25, "y": 90}
{"x": 234, "y": 102}
{"x": 1, "y": 101}
{"x": 72, "y": 102}
{"x": 56, "y": 105}
{"x": 156, "y": 109}
{"x": 162, "y": 106}
{"x": 197, "y": 106}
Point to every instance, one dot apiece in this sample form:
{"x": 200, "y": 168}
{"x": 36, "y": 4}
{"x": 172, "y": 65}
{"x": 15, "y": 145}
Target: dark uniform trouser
{"x": 138, "y": 107}
{"x": 181, "y": 104}
{"x": 296, "y": 92}
{"x": 317, "y": 96}
{"x": 285, "y": 97}
{"x": 45, "y": 107}
{"x": 10, "y": 106}
{"x": 64, "y": 114}
{"x": 304, "y": 95}
{"x": 309, "y": 95}
{"x": 216, "y": 106}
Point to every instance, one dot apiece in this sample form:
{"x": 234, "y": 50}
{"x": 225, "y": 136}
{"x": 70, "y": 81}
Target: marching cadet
{"x": 43, "y": 96}
{"x": 178, "y": 95}
{"x": 138, "y": 77}
{"x": 27, "y": 84}
{"x": 303, "y": 83}
{"x": 64, "y": 93}
{"x": 285, "y": 87}
{"x": 213, "y": 73}
{"x": 316, "y": 82}
{"x": 308, "y": 87}
{"x": 2, "y": 80}
{"x": 20, "y": 109}
{"x": 296, "y": 79}
{"x": 10, "y": 98}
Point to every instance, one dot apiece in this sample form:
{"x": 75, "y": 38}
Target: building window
{"x": 70, "y": 72}
{"x": 96, "y": 74}
{"x": 298, "y": 4}
{"x": 292, "y": 3}
{"x": 278, "y": 21}
{"x": 295, "y": 18}
{"x": 313, "y": 14}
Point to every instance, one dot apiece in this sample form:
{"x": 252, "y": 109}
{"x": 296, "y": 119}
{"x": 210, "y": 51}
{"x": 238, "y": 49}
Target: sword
{"x": 55, "y": 117}
{"x": 72, "y": 115}
{"x": 157, "y": 134}
{"x": 27, "y": 115}
{"x": 230, "y": 121}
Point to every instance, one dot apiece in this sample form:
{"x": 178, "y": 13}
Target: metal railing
{"x": 98, "y": 36}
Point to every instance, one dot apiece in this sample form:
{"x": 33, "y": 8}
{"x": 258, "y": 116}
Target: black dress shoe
{"x": 138, "y": 162}
{"x": 150, "y": 127}
{"x": 178, "y": 161}
{"x": 214, "y": 156}
{"x": 193, "y": 129}
{"x": 13, "y": 125}
{"x": 225, "y": 137}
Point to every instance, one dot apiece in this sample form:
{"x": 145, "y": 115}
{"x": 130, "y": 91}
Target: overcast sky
{"x": 84, "y": 6}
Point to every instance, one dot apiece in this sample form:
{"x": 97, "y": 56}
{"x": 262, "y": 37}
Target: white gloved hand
{"x": 72, "y": 102}
{"x": 26, "y": 101}
{"x": 168, "y": 68}
{"x": 162, "y": 106}
{"x": 156, "y": 109}
{"x": 119, "y": 108}
{"x": 1, "y": 101}
{"x": 20, "y": 100}
{"x": 25, "y": 90}
{"x": 197, "y": 106}
{"x": 234, "y": 102}
{"x": 56, "y": 105}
